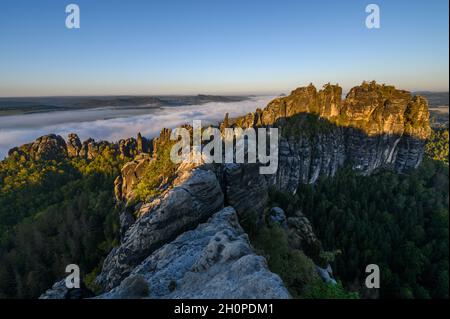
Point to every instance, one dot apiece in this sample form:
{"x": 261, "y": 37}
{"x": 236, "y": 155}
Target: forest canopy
{"x": 397, "y": 221}
{"x": 54, "y": 213}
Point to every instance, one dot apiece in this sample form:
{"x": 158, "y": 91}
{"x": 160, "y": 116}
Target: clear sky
{"x": 212, "y": 46}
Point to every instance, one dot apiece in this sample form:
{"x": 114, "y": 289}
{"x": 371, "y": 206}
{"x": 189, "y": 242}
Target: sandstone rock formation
{"x": 245, "y": 189}
{"x": 302, "y": 237}
{"x": 74, "y": 145}
{"x": 194, "y": 196}
{"x": 131, "y": 174}
{"x": 375, "y": 126}
{"x": 163, "y": 255}
{"x": 215, "y": 260}
{"x": 60, "y": 291}
{"x": 44, "y": 148}
{"x": 53, "y": 146}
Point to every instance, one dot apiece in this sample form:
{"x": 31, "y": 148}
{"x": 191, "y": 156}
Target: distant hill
{"x": 435, "y": 99}
{"x": 15, "y": 106}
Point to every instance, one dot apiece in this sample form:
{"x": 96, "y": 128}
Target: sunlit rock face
{"x": 375, "y": 126}
{"x": 46, "y": 147}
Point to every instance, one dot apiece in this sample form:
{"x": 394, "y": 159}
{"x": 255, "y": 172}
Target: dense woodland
{"x": 54, "y": 213}
{"x": 399, "y": 222}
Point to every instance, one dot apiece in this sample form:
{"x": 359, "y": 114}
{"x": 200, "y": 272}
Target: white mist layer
{"x": 20, "y": 129}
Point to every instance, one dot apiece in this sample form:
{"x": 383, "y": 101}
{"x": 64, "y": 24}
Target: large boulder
{"x": 60, "y": 291}
{"x": 194, "y": 196}
{"x": 213, "y": 261}
{"x": 47, "y": 147}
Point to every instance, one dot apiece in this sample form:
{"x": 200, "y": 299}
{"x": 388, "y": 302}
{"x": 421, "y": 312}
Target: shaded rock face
{"x": 194, "y": 197}
{"x": 302, "y": 237}
{"x": 299, "y": 231}
{"x": 245, "y": 189}
{"x": 278, "y": 216}
{"x": 126, "y": 220}
{"x": 60, "y": 291}
{"x": 303, "y": 159}
{"x": 326, "y": 274}
{"x": 132, "y": 287}
{"x": 215, "y": 260}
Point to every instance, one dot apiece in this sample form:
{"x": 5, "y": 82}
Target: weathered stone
{"x": 126, "y": 220}
{"x": 195, "y": 196}
{"x": 143, "y": 144}
{"x": 48, "y": 147}
{"x": 277, "y": 215}
{"x": 245, "y": 189}
{"x": 128, "y": 147}
{"x": 73, "y": 145}
{"x": 301, "y": 236}
{"x": 375, "y": 126}
{"x": 213, "y": 261}
{"x": 60, "y": 291}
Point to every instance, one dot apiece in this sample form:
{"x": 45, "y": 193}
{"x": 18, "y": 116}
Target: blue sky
{"x": 210, "y": 46}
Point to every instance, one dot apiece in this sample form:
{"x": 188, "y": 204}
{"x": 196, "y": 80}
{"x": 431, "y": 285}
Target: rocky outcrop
{"x": 60, "y": 291}
{"x": 375, "y": 126}
{"x": 46, "y": 147}
{"x": 215, "y": 260}
{"x": 143, "y": 145}
{"x": 371, "y": 107}
{"x": 194, "y": 196}
{"x": 91, "y": 149}
{"x": 128, "y": 147}
{"x": 245, "y": 189}
{"x": 303, "y": 159}
{"x": 302, "y": 237}
{"x": 131, "y": 174}
{"x": 133, "y": 171}
{"x": 278, "y": 216}
{"x": 299, "y": 232}
{"x": 53, "y": 146}
{"x": 74, "y": 145}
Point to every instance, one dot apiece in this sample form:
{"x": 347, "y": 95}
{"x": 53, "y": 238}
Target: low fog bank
{"x": 111, "y": 126}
